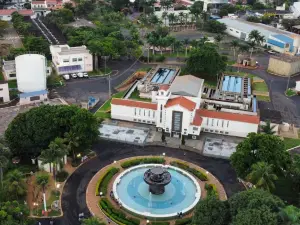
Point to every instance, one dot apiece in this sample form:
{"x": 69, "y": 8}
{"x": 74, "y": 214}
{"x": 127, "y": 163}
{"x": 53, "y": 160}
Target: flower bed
{"x": 211, "y": 190}
{"x": 115, "y": 214}
{"x": 195, "y": 172}
{"x": 104, "y": 180}
{"x": 134, "y": 162}
{"x": 185, "y": 221}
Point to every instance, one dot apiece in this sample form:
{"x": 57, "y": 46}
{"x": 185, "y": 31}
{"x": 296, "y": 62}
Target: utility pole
{"x": 148, "y": 52}
{"x": 109, "y": 82}
{"x": 287, "y": 86}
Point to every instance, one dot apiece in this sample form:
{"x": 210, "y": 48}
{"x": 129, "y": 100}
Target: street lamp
{"x": 164, "y": 154}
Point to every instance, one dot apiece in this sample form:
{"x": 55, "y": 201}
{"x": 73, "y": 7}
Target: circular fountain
{"x": 157, "y": 178}
{"x": 156, "y": 191}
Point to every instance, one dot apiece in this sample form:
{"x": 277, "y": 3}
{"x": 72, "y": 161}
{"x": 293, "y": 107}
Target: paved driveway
{"x": 73, "y": 198}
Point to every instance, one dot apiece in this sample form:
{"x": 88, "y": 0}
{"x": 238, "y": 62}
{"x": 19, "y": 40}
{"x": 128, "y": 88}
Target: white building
{"x": 42, "y": 8}
{"x": 5, "y": 14}
{"x": 4, "y": 92}
{"x": 67, "y": 59}
{"x": 297, "y": 88}
{"x": 179, "y": 109}
{"x": 33, "y": 97}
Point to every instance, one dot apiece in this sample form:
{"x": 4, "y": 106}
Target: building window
{"x": 226, "y": 132}
{"x": 139, "y": 120}
{"x": 167, "y": 129}
{"x": 34, "y": 98}
{"x": 222, "y": 123}
{"x": 221, "y": 132}
{"x": 1, "y": 89}
{"x": 216, "y": 131}
{"x": 160, "y": 107}
{"x": 212, "y": 122}
{"x": 205, "y": 129}
{"x": 74, "y": 60}
{"x": 134, "y": 119}
{"x": 217, "y": 122}
{"x": 12, "y": 75}
{"x": 153, "y": 114}
{"x": 195, "y": 128}
{"x": 231, "y": 30}
{"x": 65, "y": 60}
{"x": 237, "y": 32}
{"x": 139, "y": 111}
{"x": 149, "y": 113}
{"x": 144, "y": 121}
{"x": 135, "y": 111}
{"x": 153, "y": 122}
{"x": 185, "y": 129}
{"x": 207, "y": 120}
{"x": 144, "y": 112}
{"x": 160, "y": 119}
{"x": 211, "y": 130}
{"x": 79, "y": 59}
{"x": 227, "y": 123}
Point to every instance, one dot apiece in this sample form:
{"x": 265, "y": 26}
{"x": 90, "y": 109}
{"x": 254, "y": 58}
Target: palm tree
{"x": 54, "y": 154}
{"x": 181, "y": 15}
{"x": 92, "y": 221}
{"x": 262, "y": 176}
{"x": 72, "y": 142}
{"x": 42, "y": 180}
{"x": 15, "y": 183}
{"x": 171, "y": 18}
{"x": 164, "y": 16}
{"x": 219, "y": 38}
{"x": 268, "y": 129}
{"x": 243, "y": 48}
{"x": 251, "y": 45}
{"x": 186, "y": 42}
{"x": 186, "y": 16}
{"x": 254, "y": 35}
{"x": 4, "y": 154}
{"x": 178, "y": 46}
{"x": 234, "y": 44}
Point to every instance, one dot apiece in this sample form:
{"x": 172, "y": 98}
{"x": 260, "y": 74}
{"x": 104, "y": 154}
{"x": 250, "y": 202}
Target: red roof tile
{"x": 182, "y": 101}
{"x": 197, "y": 120}
{"x": 133, "y": 103}
{"x": 164, "y": 87}
{"x": 38, "y": 2}
{"x": 228, "y": 116}
{"x": 25, "y": 12}
{"x": 7, "y": 12}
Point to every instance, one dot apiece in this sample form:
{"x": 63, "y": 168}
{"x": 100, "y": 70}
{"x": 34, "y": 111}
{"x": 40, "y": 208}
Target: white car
{"x": 271, "y": 52}
{"x": 66, "y": 76}
{"x": 80, "y": 74}
{"x": 73, "y": 75}
{"x": 85, "y": 75}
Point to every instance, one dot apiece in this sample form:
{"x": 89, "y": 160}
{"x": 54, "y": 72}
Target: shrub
{"x": 76, "y": 162}
{"x": 135, "y": 162}
{"x": 195, "y": 172}
{"x": 102, "y": 183}
{"x": 159, "y": 223}
{"x": 160, "y": 58}
{"x": 185, "y": 221}
{"x": 211, "y": 190}
{"x": 61, "y": 176}
{"x": 115, "y": 214}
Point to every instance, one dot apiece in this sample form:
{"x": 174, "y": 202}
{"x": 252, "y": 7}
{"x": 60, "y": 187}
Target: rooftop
{"x": 286, "y": 58}
{"x": 228, "y": 116}
{"x": 182, "y": 101}
{"x": 23, "y": 12}
{"x": 187, "y": 85}
{"x": 67, "y": 50}
{"x": 133, "y": 103}
{"x": 164, "y": 87}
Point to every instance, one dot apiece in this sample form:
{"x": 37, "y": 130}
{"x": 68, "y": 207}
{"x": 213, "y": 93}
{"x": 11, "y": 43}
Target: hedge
{"x": 61, "y": 176}
{"x": 102, "y": 183}
{"x": 115, "y": 214}
{"x": 159, "y": 223}
{"x": 185, "y": 221}
{"x": 135, "y": 162}
{"x": 196, "y": 172}
{"x": 211, "y": 190}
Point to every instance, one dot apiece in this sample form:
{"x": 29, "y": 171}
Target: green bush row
{"x": 115, "y": 214}
{"x": 160, "y": 223}
{"x": 211, "y": 190}
{"x": 102, "y": 183}
{"x": 61, "y": 176}
{"x": 185, "y": 221}
{"x": 156, "y": 58}
{"x": 196, "y": 172}
{"x": 134, "y": 162}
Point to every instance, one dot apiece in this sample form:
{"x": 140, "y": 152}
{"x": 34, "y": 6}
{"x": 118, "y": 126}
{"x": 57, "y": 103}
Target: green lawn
{"x": 12, "y": 84}
{"x": 260, "y": 86}
{"x": 291, "y": 142}
{"x": 135, "y": 95}
{"x": 290, "y": 93}
{"x": 263, "y": 98}
{"x": 240, "y": 74}
{"x": 230, "y": 62}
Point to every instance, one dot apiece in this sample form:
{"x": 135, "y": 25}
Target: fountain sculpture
{"x": 157, "y": 178}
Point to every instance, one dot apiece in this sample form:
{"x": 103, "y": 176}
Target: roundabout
{"x": 76, "y": 191}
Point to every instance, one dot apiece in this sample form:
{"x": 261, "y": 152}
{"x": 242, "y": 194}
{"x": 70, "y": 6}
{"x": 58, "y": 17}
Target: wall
{"x": 228, "y": 127}
{"x": 133, "y": 114}
{"x": 4, "y": 92}
{"x": 5, "y": 17}
{"x": 233, "y": 32}
{"x": 86, "y": 62}
{"x": 25, "y": 101}
{"x": 283, "y": 68}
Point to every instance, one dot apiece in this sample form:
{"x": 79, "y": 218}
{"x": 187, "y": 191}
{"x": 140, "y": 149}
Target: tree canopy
{"x": 205, "y": 60}
{"x": 260, "y": 148}
{"x": 31, "y": 132}
{"x": 214, "y": 26}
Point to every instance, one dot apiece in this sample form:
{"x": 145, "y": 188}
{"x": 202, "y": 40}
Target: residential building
{"x": 180, "y": 108}
{"x": 295, "y": 9}
{"x": 33, "y": 97}
{"x": 67, "y": 59}
{"x": 284, "y": 65}
{"x": 42, "y": 8}
{"x": 278, "y": 40}
{"x": 5, "y": 14}
{"x": 4, "y": 92}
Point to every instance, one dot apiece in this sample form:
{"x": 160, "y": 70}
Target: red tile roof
{"x": 228, "y": 116}
{"x": 25, "y": 12}
{"x": 38, "y": 2}
{"x": 197, "y": 120}
{"x": 164, "y": 87}
{"x": 182, "y": 101}
{"x": 7, "y": 12}
{"x": 133, "y": 103}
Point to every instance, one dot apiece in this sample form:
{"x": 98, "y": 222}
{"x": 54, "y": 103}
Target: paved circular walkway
{"x": 74, "y": 193}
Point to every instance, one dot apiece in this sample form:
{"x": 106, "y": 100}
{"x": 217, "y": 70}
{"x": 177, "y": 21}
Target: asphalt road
{"x": 73, "y": 197}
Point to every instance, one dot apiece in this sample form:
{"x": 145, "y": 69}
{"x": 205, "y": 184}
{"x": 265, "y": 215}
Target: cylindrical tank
{"x": 31, "y": 72}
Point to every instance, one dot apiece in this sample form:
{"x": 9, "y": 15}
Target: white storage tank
{"x": 31, "y": 72}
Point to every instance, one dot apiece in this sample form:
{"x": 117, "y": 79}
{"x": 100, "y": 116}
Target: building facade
{"x": 4, "y": 92}
{"x": 67, "y": 59}
{"x": 179, "y": 110}
{"x": 5, "y": 14}
{"x": 32, "y": 97}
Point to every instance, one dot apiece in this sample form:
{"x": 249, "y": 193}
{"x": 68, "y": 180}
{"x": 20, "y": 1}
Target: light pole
{"x": 109, "y": 85}
{"x": 287, "y": 86}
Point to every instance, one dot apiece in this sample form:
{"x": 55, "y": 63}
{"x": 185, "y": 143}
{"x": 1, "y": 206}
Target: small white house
{"x": 297, "y": 88}
{"x": 48, "y": 167}
{"x": 4, "y": 92}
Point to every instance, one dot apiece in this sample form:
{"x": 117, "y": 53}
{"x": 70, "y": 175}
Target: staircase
{"x": 45, "y": 31}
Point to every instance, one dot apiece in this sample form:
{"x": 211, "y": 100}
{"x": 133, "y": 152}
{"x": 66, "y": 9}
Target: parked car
{"x": 272, "y": 52}
{"x": 80, "y": 75}
{"x": 73, "y": 75}
{"x": 85, "y": 75}
{"x": 66, "y": 76}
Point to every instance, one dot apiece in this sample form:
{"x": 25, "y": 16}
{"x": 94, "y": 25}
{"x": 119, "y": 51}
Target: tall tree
{"x": 234, "y": 45}
{"x": 4, "y": 157}
{"x": 164, "y": 16}
{"x": 262, "y": 176}
{"x": 3, "y": 26}
{"x": 196, "y": 9}
{"x": 72, "y": 143}
{"x": 267, "y": 128}
{"x": 42, "y": 180}
{"x": 252, "y": 46}
{"x": 260, "y": 148}
{"x": 218, "y": 39}
{"x": 186, "y": 42}
{"x": 15, "y": 184}
{"x": 211, "y": 211}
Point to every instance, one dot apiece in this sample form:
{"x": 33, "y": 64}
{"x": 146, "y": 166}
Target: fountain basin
{"x": 132, "y": 192}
